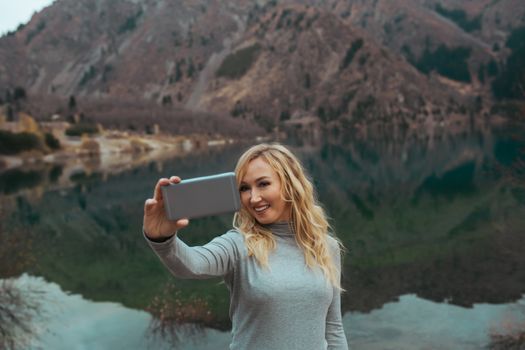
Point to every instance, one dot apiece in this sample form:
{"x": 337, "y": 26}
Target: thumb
{"x": 181, "y": 223}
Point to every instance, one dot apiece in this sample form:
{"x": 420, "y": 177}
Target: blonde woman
{"x": 280, "y": 264}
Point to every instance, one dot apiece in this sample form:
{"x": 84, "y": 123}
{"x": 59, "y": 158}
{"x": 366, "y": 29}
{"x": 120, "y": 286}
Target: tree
{"x": 166, "y": 100}
{"x": 19, "y": 93}
{"x": 307, "y": 81}
{"x": 510, "y": 82}
{"x": 51, "y": 141}
{"x": 481, "y": 73}
{"x": 449, "y": 62}
{"x": 72, "y": 104}
{"x": 350, "y": 53}
{"x": 285, "y": 115}
{"x": 10, "y": 114}
{"x": 8, "y": 96}
{"x": 191, "y": 69}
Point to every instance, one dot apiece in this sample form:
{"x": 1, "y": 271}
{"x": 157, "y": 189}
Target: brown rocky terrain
{"x": 309, "y": 62}
{"x": 339, "y": 63}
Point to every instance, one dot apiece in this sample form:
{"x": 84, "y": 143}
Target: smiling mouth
{"x": 261, "y": 209}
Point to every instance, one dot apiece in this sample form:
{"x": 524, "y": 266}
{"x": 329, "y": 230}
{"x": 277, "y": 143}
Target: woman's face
{"x": 260, "y": 191}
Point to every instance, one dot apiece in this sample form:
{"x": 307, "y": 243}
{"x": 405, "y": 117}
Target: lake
{"x": 433, "y": 225}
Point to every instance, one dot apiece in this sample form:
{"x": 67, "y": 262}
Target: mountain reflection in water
{"x": 68, "y": 321}
{"x": 440, "y": 218}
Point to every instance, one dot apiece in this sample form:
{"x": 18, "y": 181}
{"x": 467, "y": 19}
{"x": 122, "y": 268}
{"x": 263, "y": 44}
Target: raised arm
{"x": 217, "y": 258}
{"x": 213, "y": 259}
{"x": 334, "y": 333}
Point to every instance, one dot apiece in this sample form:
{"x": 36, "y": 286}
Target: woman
{"x": 279, "y": 263}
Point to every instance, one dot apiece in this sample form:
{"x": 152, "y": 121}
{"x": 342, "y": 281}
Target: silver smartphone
{"x": 201, "y": 196}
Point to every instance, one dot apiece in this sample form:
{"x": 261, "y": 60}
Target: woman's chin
{"x": 264, "y": 220}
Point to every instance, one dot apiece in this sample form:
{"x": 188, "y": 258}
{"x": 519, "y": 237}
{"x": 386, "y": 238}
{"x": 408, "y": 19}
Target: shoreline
{"x": 65, "y": 168}
{"x": 113, "y": 150}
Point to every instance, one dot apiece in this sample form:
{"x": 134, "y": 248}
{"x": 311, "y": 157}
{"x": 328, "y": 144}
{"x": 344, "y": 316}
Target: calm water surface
{"x": 433, "y": 226}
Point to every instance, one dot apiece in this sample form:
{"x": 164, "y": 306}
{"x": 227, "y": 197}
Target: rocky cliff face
{"x": 343, "y": 63}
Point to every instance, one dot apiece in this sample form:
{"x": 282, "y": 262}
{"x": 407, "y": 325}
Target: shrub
{"x": 72, "y": 104}
{"x": 507, "y": 341}
{"x": 14, "y": 180}
{"x": 166, "y": 100}
{"x": 137, "y": 145}
{"x": 191, "y": 69}
{"x": 350, "y": 53}
{"x": 88, "y": 75}
{"x": 238, "y": 109}
{"x": 82, "y": 128}
{"x": 40, "y": 27}
{"x": 285, "y": 115}
{"x": 130, "y": 23}
{"x": 19, "y": 93}
{"x": 307, "y": 81}
{"x": 13, "y": 143}
{"x": 51, "y": 141}
{"x": 10, "y": 113}
{"x": 91, "y": 147}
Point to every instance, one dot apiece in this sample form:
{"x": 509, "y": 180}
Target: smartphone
{"x": 201, "y": 196}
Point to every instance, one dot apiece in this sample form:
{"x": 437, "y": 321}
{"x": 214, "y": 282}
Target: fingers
{"x": 175, "y": 179}
{"x": 183, "y": 223}
{"x": 157, "y": 193}
{"x": 149, "y": 205}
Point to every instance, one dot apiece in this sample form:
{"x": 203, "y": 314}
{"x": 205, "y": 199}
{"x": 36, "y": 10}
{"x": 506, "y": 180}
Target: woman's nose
{"x": 254, "y": 197}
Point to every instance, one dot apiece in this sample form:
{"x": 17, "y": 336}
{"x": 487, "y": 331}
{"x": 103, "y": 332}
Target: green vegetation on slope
{"x": 449, "y": 62}
{"x": 238, "y": 63}
{"x": 510, "y": 83}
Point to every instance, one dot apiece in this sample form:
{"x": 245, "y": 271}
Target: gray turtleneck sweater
{"x": 288, "y": 306}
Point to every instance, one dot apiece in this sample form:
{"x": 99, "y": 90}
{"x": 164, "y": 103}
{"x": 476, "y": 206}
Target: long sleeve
{"x": 265, "y": 301}
{"x": 215, "y": 259}
{"x": 334, "y": 333}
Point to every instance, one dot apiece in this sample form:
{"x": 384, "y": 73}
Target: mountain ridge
{"x": 172, "y": 52}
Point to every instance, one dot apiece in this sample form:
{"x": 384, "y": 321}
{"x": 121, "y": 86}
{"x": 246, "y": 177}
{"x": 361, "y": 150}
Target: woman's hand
{"x": 156, "y": 223}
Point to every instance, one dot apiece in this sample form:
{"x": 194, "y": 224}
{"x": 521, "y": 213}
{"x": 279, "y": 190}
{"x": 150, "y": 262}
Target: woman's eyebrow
{"x": 256, "y": 180}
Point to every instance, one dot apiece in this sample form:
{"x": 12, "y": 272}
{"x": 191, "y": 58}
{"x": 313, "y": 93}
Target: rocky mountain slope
{"x": 334, "y": 62}
{"x": 299, "y": 61}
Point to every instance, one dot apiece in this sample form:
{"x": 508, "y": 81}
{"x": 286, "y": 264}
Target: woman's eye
{"x": 264, "y": 184}
{"x": 243, "y": 188}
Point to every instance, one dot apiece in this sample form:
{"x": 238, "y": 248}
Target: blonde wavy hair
{"x": 308, "y": 219}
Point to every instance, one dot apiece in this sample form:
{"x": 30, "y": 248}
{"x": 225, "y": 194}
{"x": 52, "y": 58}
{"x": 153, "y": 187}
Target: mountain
{"x": 303, "y": 61}
{"x": 463, "y": 41}
{"x": 343, "y": 64}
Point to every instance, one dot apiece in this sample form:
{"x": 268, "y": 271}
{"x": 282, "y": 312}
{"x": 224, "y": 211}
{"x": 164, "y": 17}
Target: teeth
{"x": 259, "y": 209}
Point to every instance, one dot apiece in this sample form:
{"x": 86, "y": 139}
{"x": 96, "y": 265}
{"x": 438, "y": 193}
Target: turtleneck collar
{"x": 281, "y": 229}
